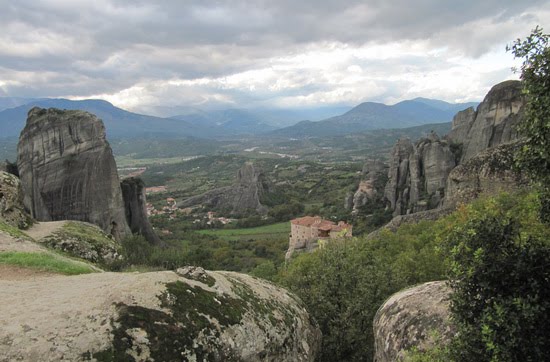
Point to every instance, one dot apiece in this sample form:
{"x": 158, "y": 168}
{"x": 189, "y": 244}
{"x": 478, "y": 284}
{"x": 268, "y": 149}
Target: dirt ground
{"x": 42, "y": 229}
{"x": 15, "y": 273}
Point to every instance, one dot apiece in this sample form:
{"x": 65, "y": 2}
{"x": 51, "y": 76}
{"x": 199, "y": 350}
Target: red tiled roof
{"x": 321, "y": 224}
{"x": 306, "y": 220}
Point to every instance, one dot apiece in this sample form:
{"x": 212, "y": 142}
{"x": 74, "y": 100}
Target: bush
{"x": 500, "y": 303}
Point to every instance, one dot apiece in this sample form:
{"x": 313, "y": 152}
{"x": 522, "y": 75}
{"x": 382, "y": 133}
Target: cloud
{"x": 141, "y": 54}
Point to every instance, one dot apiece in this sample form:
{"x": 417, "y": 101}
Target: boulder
{"x": 410, "y": 318}
{"x": 490, "y": 172}
{"x": 84, "y": 241}
{"x": 68, "y": 171}
{"x": 240, "y": 198}
{"x": 188, "y": 315}
{"x": 12, "y": 210}
{"x": 133, "y": 193}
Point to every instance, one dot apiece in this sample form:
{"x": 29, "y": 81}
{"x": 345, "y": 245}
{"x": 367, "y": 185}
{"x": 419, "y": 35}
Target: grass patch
{"x": 46, "y": 262}
{"x": 279, "y": 230}
{"x": 13, "y": 231}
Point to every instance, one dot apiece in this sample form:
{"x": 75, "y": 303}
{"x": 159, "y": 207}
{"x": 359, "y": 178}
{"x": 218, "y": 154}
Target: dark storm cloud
{"x": 69, "y": 47}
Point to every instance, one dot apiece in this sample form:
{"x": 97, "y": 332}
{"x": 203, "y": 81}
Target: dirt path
{"x": 9, "y": 243}
{"x": 42, "y": 229}
{"x": 11, "y": 272}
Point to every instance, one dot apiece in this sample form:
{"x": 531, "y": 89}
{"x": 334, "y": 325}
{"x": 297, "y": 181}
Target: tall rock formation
{"x": 409, "y": 320}
{"x": 417, "y": 174}
{"x": 493, "y": 122}
{"x": 133, "y": 193}
{"x": 240, "y": 198}
{"x": 371, "y": 186}
{"x": 68, "y": 171}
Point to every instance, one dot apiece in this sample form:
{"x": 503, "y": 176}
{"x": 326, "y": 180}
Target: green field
{"x": 267, "y": 232}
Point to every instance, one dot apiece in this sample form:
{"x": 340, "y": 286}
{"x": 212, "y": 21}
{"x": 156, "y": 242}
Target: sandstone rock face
{"x": 192, "y": 315}
{"x": 493, "y": 122}
{"x": 418, "y": 173}
{"x": 133, "y": 193}
{"x": 373, "y": 176}
{"x": 409, "y": 318}
{"x": 68, "y": 171}
{"x": 242, "y": 197}
{"x": 490, "y": 172}
{"x": 12, "y": 210}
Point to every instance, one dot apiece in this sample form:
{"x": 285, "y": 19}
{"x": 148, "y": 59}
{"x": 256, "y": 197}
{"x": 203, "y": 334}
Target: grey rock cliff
{"x": 68, "y": 171}
{"x": 370, "y": 187}
{"x": 187, "y": 315}
{"x": 489, "y": 172}
{"x": 133, "y": 193}
{"x": 409, "y": 318}
{"x": 241, "y": 197}
{"x": 417, "y": 174}
{"x": 493, "y": 122}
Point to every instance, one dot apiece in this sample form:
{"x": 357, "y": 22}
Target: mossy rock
{"x": 157, "y": 316}
{"x": 12, "y": 211}
{"x": 85, "y": 241}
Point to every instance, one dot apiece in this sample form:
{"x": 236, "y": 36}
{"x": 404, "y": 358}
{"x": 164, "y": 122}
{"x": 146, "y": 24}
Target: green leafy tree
{"x": 534, "y": 158}
{"x": 344, "y": 283}
{"x": 499, "y": 274}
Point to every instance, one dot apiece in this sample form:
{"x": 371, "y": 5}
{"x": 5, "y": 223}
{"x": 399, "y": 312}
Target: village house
{"x": 306, "y": 233}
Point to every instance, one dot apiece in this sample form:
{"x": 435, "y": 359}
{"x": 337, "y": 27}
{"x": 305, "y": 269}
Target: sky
{"x": 158, "y": 57}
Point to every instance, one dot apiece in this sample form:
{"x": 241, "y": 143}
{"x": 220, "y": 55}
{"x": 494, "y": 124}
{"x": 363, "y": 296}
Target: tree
{"x": 499, "y": 275}
{"x": 534, "y": 157}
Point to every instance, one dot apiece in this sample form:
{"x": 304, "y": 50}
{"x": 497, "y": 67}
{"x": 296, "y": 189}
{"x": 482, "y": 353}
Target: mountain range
{"x": 371, "y": 116}
{"x": 237, "y": 122}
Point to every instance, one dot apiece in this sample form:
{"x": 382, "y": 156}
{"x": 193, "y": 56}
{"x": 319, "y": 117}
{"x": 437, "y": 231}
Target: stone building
{"x": 306, "y": 233}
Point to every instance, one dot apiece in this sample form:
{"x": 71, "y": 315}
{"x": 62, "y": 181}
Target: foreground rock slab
{"x": 409, "y": 319}
{"x": 195, "y": 315}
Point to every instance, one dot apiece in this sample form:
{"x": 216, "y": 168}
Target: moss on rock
{"x": 85, "y": 241}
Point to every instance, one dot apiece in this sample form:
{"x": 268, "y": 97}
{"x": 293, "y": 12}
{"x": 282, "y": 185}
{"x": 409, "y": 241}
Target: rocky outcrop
{"x": 188, "y": 315}
{"x": 414, "y": 218}
{"x": 493, "y": 122}
{"x": 240, "y": 198}
{"x": 409, "y": 319}
{"x": 12, "y": 210}
{"x": 133, "y": 193}
{"x": 490, "y": 172}
{"x": 68, "y": 171}
{"x": 371, "y": 186}
{"x": 84, "y": 241}
{"x": 417, "y": 174}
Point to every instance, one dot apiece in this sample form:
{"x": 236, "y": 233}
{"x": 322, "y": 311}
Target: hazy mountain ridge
{"x": 118, "y": 122}
{"x": 219, "y": 124}
{"x": 370, "y": 116}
